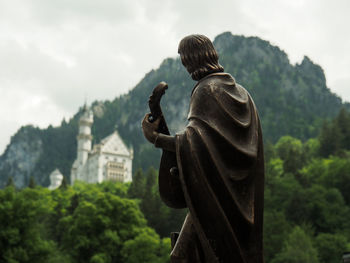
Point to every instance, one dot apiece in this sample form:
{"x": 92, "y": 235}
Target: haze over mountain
{"x": 292, "y": 100}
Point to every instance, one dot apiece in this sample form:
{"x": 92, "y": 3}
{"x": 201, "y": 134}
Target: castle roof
{"x": 56, "y": 174}
{"x": 113, "y": 144}
{"x": 87, "y": 116}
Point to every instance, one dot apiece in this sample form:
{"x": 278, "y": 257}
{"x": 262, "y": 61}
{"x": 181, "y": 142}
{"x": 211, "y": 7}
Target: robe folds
{"x": 220, "y": 176}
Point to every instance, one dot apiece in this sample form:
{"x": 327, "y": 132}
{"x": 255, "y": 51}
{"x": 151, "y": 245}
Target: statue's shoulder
{"x": 218, "y": 79}
{"x": 222, "y": 88}
{"x": 213, "y": 81}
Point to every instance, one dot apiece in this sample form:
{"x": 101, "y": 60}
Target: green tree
{"x": 330, "y": 247}
{"x": 146, "y": 247}
{"x": 323, "y": 207}
{"x": 297, "y": 248}
{"x": 151, "y": 205}
{"x": 330, "y": 173}
{"x": 22, "y": 214}
{"x": 137, "y": 187}
{"x": 32, "y": 183}
{"x": 276, "y": 228}
{"x": 269, "y": 151}
{"x": 312, "y": 172}
{"x": 330, "y": 139}
{"x": 64, "y": 183}
{"x": 337, "y": 174}
{"x": 342, "y": 121}
{"x": 281, "y": 192}
{"x": 290, "y": 150}
{"x": 311, "y": 149}
{"x": 10, "y": 182}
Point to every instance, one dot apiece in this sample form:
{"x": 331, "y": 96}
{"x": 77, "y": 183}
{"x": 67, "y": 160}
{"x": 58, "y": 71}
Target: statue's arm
{"x": 166, "y": 142}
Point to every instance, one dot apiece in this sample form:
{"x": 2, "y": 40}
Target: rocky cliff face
{"x": 291, "y": 99}
{"x": 21, "y": 157}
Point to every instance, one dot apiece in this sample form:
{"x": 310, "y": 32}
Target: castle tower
{"x": 55, "y": 179}
{"x": 84, "y": 137}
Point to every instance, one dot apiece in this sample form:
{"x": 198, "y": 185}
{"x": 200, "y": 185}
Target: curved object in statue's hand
{"x": 154, "y": 106}
{"x": 169, "y": 183}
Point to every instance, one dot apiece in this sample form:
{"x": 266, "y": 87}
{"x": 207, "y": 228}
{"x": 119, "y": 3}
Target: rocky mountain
{"x": 292, "y": 99}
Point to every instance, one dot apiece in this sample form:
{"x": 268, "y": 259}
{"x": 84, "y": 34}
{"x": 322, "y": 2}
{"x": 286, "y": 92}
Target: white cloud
{"x": 53, "y": 53}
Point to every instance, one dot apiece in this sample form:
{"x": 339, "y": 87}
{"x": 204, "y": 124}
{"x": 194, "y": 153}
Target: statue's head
{"x": 199, "y": 56}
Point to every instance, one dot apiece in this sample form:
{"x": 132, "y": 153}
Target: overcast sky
{"x": 54, "y": 53}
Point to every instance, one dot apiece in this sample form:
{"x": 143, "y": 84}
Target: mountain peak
{"x": 250, "y": 48}
{"x": 312, "y": 71}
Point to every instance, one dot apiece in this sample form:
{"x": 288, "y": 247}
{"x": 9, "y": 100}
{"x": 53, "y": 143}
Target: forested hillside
{"x": 292, "y": 100}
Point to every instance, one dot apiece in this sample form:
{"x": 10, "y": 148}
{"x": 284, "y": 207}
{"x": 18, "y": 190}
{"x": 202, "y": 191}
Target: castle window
{"x": 115, "y": 171}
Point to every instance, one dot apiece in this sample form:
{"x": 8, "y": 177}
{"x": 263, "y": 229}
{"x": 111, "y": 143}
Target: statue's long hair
{"x": 199, "y": 56}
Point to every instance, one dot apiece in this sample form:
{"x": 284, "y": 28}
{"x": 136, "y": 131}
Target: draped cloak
{"x": 220, "y": 161}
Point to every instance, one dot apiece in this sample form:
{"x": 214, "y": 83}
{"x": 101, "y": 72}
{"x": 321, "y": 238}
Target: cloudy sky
{"x": 56, "y": 53}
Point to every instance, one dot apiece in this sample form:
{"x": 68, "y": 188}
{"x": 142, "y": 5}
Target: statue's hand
{"x": 150, "y": 128}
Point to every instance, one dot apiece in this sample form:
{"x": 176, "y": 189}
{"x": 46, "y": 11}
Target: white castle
{"x": 110, "y": 160}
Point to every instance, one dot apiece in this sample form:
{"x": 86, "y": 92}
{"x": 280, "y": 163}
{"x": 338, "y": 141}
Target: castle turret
{"x": 55, "y": 179}
{"x": 84, "y": 137}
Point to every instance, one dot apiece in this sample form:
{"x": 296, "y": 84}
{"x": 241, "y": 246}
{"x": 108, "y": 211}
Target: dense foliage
{"x": 307, "y": 202}
{"x": 292, "y": 100}
{"x": 84, "y": 223}
{"x": 335, "y": 135}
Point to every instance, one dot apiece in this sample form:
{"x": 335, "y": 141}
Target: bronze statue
{"x": 215, "y": 167}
